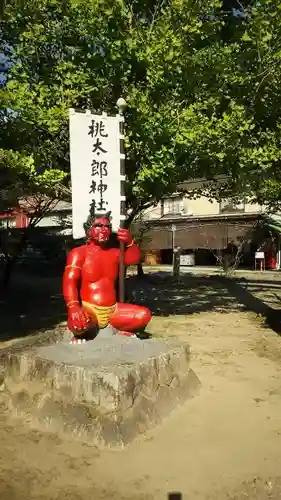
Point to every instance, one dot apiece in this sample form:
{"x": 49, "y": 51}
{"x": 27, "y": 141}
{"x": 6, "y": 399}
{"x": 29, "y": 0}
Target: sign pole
{"x": 122, "y": 270}
{"x": 121, "y": 104}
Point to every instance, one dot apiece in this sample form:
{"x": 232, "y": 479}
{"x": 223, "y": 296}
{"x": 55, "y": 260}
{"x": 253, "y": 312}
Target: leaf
{"x": 246, "y": 37}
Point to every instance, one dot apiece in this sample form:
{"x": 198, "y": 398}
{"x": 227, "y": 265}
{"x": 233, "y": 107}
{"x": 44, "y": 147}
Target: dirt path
{"x": 223, "y": 444}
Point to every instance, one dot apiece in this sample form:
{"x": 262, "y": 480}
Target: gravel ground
{"x": 223, "y": 444}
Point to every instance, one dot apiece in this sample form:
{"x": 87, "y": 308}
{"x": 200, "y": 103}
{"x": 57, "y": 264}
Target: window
{"x": 230, "y": 207}
{"x": 12, "y": 223}
{"x": 173, "y": 205}
{"x": 6, "y": 223}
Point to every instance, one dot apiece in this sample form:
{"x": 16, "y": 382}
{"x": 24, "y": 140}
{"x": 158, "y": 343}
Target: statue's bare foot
{"x": 105, "y": 332}
{"x": 76, "y": 340}
{"x": 125, "y": 334}
{"x": 122, "y": 333}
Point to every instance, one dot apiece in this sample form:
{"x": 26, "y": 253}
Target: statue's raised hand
{"x": 125, "y": 236}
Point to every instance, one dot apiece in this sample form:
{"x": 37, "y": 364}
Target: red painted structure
{"x": 16, "y": 218}
{"x": 89, "y": 283}
{"x": 271, "y": 259}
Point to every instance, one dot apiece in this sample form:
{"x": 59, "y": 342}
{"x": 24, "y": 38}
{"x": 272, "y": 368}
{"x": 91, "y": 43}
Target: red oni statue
{"x": 89, "y": 284}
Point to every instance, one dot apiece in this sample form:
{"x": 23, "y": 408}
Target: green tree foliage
{"x": 252, "y": 83}
{"x": 23, "y": 187}
{"x": 20, "y": 179}
{"x": 202, "y": 87}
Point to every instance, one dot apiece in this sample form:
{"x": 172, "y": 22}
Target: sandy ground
{"x": 223, "y": 444}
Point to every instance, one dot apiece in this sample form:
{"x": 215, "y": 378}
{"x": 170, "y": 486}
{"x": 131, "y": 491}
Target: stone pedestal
{"x": 106, "y": 391}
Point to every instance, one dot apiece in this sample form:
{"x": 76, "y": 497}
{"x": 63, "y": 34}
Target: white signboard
{"x": 259, "y": 255}
{"x": 187, "y": 260}
{"x": 95, "y": 167}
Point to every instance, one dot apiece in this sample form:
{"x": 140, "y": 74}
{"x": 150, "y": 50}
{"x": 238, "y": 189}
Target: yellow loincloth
{"x": 102, "y": 313}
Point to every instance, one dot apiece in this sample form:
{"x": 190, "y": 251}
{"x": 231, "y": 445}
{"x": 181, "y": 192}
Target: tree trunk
{"x": 7, "y": 272}
{"x": 140, "y": 271}
{"x": 11, "y": 260}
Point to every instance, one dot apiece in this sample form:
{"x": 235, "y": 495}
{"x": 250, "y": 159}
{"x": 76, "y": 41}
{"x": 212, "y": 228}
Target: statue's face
{"x": 101, "y": 230}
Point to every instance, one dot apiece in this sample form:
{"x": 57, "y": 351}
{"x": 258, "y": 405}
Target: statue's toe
{"x": 125, "y": 334}
{"x": 75, "y": 340}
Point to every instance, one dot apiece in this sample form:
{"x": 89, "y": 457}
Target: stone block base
{"x": 105, "y": 392}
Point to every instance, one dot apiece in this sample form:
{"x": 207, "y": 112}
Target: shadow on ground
{"x": 191, "y": 294}
{"x": 194, "y": 294}
{"x": 35, "y": 304}
{"x": 32, "y": 304}
{"x": 260, "y": 296}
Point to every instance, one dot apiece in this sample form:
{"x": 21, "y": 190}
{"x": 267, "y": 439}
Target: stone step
{"x": 106, "y": 391}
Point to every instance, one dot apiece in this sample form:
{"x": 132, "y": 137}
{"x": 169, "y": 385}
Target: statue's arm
{"x": 72, "y": 275}
{"x": 132, "y": 255}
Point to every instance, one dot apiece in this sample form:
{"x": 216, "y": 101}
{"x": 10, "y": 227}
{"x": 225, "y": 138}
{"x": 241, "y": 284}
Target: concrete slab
{"x": 106, "y": 391}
